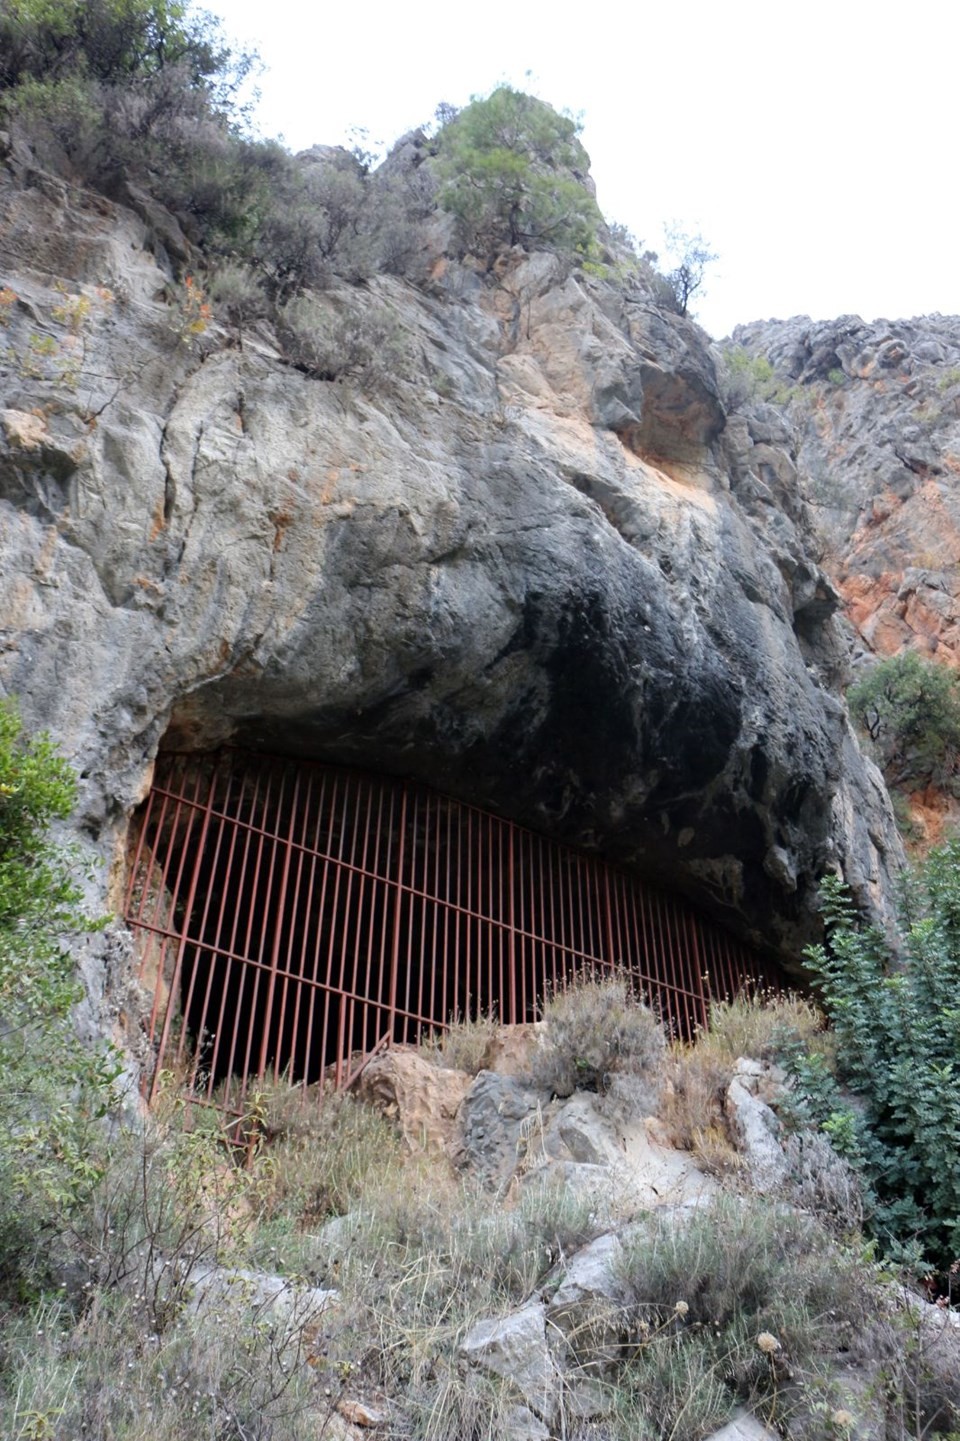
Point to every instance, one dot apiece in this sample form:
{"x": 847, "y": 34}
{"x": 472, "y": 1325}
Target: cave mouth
{"x": 293, "y": 917}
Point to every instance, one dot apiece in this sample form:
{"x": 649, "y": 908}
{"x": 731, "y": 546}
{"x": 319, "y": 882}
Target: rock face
{"x": 540, "y": 568}
{"x": 877, "y": 410}
{"x": 878, "y": 407}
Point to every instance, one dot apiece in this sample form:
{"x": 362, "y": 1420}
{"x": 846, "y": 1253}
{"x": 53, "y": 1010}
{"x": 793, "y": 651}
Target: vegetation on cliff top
{"x": 140, "y": 99}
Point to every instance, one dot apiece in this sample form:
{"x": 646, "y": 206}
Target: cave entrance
{"x": 293, "y": 918}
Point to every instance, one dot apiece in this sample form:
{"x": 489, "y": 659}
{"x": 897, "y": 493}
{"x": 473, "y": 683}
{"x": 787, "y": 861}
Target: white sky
{"x": 814, "y": 144}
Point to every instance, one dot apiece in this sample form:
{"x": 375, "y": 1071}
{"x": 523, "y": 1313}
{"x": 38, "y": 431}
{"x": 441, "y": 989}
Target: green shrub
{"x": 53, "y": 1090}
{"x": 108, "y": 40}
{"x": 910, "y": 709}
{"x": 896, "y": 1021}
{"x": 512, "y": 171}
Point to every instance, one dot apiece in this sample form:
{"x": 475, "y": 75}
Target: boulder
{"x": 756, "y": 1129}
{"x": 585, "y": 1309}
{"x": 423, "y": 1099}
{"x": 742, "y": 1426}
{"x": 515, "y": 1348}
{"x": 491, "y": 1122}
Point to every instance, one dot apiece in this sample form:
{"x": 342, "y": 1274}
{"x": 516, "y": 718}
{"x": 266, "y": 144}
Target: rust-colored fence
{"x": 292, "y": 918}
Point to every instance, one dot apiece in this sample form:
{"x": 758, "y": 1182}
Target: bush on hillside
{"x": 599, "y": 1037}
{"x": 896, "y": 1025}
{"x": 910, "y": 709}
{"x": 727, "y": 1305}
{"x": 53, "y": 1091}
{"x": 513, "y": 172}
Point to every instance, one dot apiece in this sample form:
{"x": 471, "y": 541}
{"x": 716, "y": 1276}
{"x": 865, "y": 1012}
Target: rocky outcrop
{"x": 536, "y": 565}
{"x": 877, "y": 411}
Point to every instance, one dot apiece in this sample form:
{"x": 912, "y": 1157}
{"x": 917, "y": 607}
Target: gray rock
{"x": 234, "y": 1287}
{"x": 490, "y": 1120}
{"x": 743, "y": 1427}
{"x": 577, "y": 1133}
{"x": 520, "y": 1424}
{"x": 757, "y": 1131}
{"x": 562, "y": 591}
{"x": 515, "y": 1348}
{"x": 585, "y": 1312}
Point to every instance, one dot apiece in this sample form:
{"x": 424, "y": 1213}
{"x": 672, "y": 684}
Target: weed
{"x": 192, "y": 311}
{"x": 728, "y": 1302}
{"x": 597, "y": 1033}
{"x": 760, "y": 1026}
{"x": 692, "y": 1105}
{"x": 463, "y": 1045}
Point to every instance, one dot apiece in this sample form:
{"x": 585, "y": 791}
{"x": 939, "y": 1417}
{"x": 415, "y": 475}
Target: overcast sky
{"x": 814, "y": 144}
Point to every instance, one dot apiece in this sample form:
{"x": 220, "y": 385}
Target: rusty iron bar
{"x": 294, "y": 918}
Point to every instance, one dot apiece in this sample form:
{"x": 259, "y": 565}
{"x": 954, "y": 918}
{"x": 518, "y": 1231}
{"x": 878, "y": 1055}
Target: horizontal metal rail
{"x": 292, "y": 918}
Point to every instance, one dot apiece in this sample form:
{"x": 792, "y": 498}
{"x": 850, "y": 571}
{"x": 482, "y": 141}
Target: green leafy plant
{"x": 910, "y": 709}
{"x": 512, "y": 171}
{"x": 893, "y": 1109}
{"x": 53, "y": 1090}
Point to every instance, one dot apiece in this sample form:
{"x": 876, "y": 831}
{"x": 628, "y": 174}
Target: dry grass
{"x": 599, "y": 1037}
{"x": 463, "y": 1046}
{"x": 692, "y": 1105}
{"x": 757, "y": 1027}
{"x": 417, "y": 1256}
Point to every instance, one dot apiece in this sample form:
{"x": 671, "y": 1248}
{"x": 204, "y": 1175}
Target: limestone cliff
{"x": 877, "y": 411}
{"x": 537, "y": 565}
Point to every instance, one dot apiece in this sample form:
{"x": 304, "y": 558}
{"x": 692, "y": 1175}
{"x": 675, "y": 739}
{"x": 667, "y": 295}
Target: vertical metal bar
{"x": 385, "y": 922}
{"x": 468, "y": 923}
{"x": 424, "y": 907}
{"x": 278, "y": 928}
{"x": 258, "y": 970}
{"x": 342, "y": 1032}
{"x": 321, "y": 917}
{"x": 608, "y": 918}
{"x": 457, "y": 915}
{"x": 292, "y": 922}
{"x": 447, "y": 958}
{"x": 229, "y": 966}
{"x": 363, "y": 789}
{"x": 178, "y": 963}
{"x": 511, "y": 922}
{"x": 260, "y": 810}
{"x": 395, "y": 942}
{"x": 411, "y": 912}
{"x": 187, "y": 1006}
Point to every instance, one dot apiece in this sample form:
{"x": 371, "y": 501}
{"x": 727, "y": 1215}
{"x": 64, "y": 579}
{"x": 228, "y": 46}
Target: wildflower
{"x": 768, "y": 1344}
{"x": 843, "y": 1419}
{"x": 681, "y": 1309}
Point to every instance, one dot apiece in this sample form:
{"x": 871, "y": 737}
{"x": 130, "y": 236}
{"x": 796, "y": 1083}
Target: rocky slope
{"x": 878, "y": 407}
{"x": 877, "y": 411}
{"x": 537, "y": 564}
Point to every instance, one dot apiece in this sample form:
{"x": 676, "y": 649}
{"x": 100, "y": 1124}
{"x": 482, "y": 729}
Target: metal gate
{"x": 293, "y": 918}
